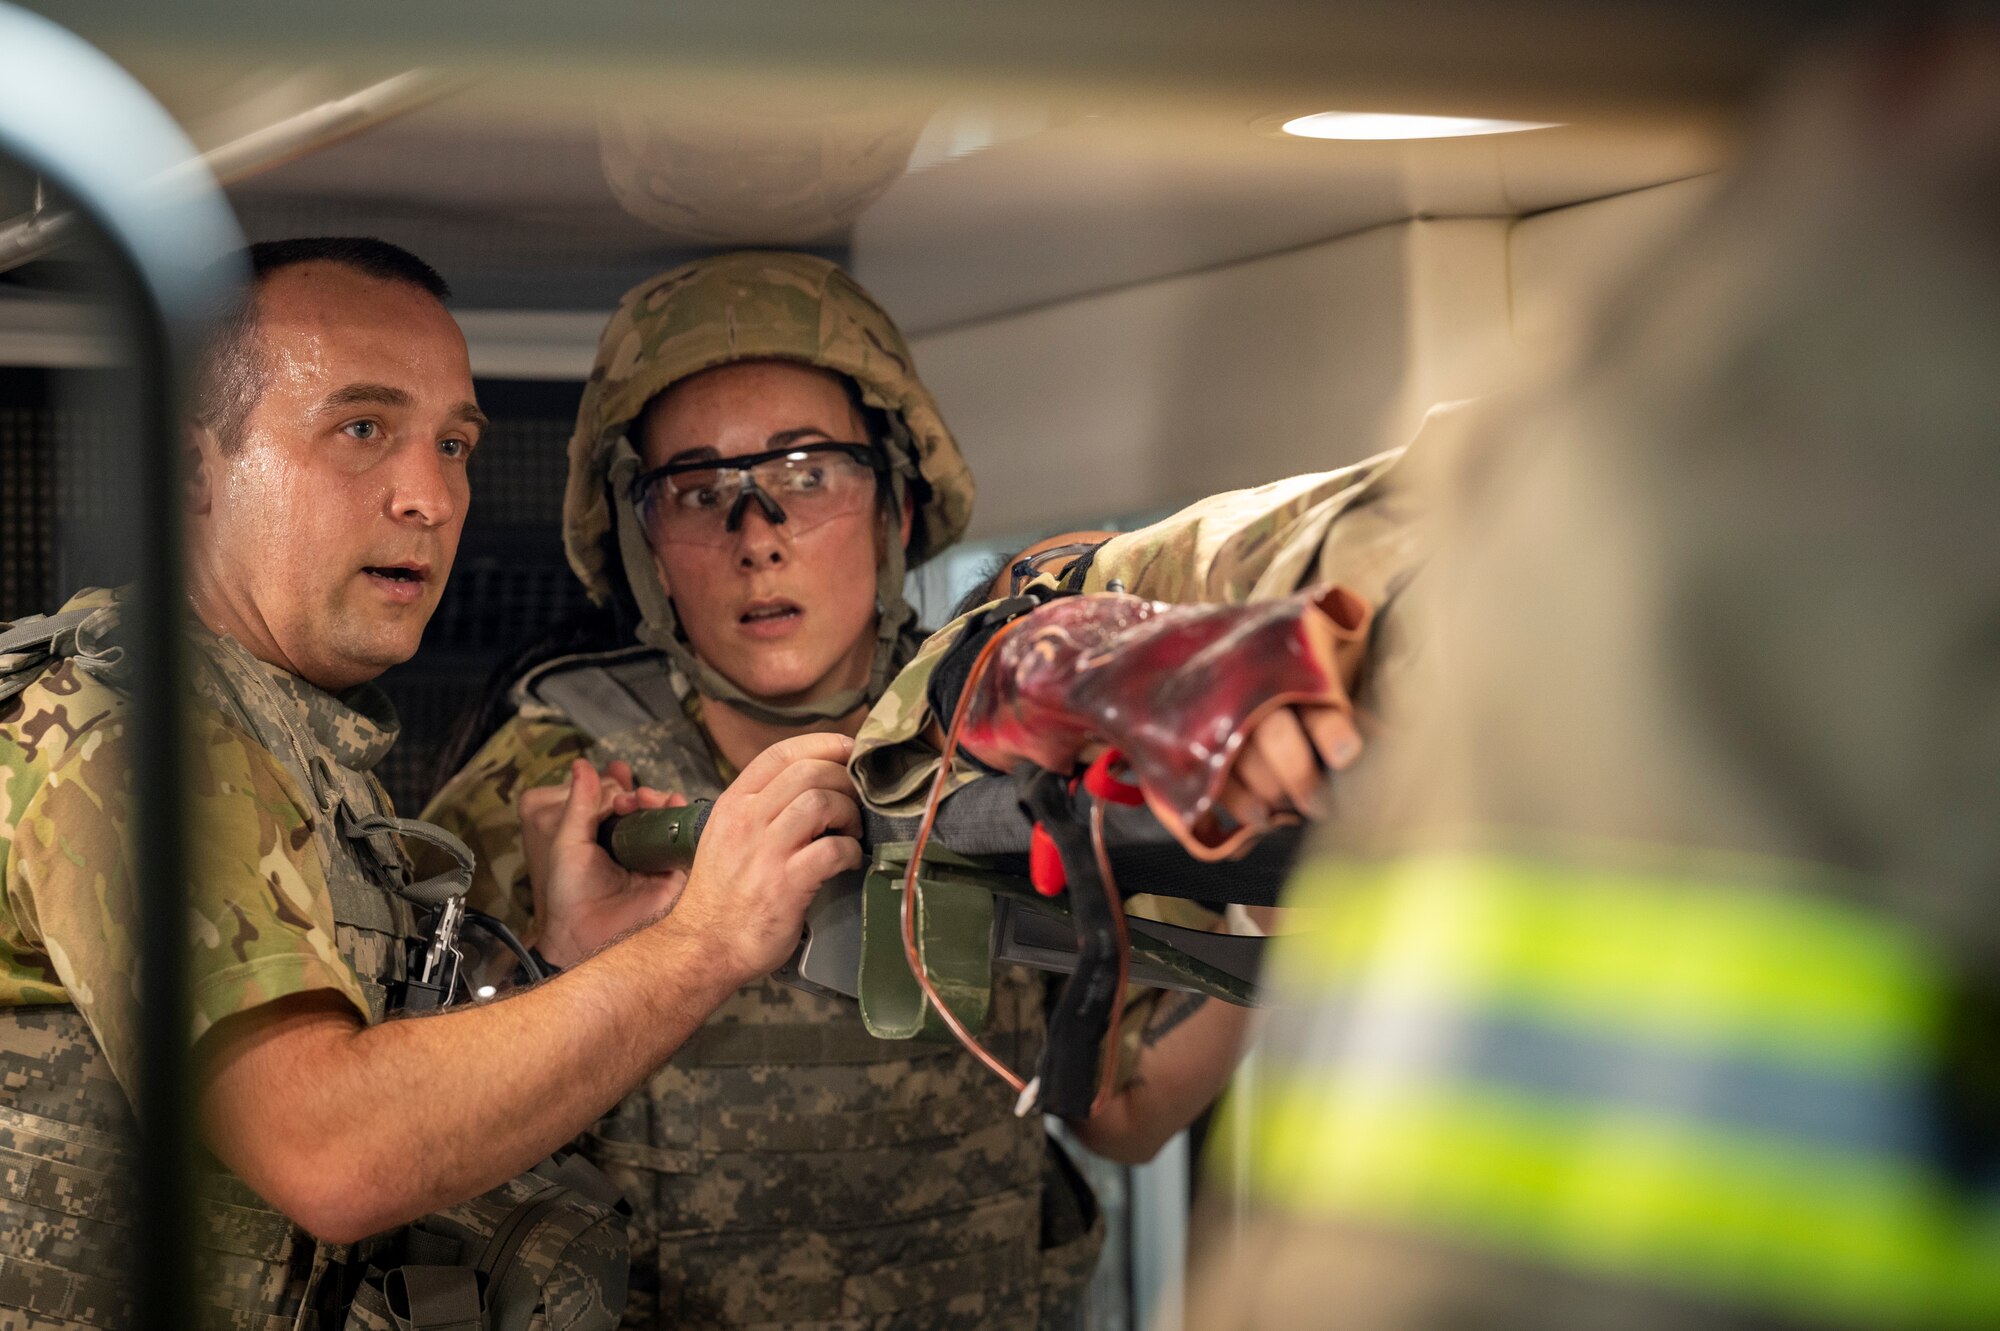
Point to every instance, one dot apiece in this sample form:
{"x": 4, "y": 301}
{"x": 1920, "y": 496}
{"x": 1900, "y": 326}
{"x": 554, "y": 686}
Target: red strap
{"x": 1098, "y": 780}
{"x": 1045, "y": 866}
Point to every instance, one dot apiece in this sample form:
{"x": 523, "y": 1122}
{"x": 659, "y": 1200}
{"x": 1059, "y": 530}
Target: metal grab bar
{"x": 35, "y": 233}
{"x": 70, "y": 114}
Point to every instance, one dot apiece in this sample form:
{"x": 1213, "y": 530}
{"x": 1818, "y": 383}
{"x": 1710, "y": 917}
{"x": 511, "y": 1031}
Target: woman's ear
{"x": 660, "y": 572}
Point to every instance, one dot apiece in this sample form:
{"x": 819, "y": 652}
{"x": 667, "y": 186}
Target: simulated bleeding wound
{"x": 1176, "y": 688}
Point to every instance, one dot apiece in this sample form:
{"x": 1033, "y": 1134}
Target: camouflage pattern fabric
{"x": 536, "y": 747}
{"x": 555, "y": 1257}
{"x": 293, "y": 893}
{"x": 282, "y": 904}
{"x": 263, "y": 918}
{"x": 1356, "y": 526}
{"x": 478, "y": 806}
{"x": 786, "y": 1168}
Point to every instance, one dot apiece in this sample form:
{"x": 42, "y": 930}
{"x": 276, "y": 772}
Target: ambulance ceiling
{"x": 951, "y": 212}
{"x": 967, "y": 161}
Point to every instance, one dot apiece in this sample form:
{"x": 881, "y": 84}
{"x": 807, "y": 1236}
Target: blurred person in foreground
{"x": 334, "y": 423}
{"x": 755, "y": 465}
{"x": 1661, "y": 991}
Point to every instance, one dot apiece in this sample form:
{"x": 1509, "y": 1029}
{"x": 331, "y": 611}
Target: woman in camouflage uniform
{"x": 754, "y": 466}
{"x": 785, "y": 1167}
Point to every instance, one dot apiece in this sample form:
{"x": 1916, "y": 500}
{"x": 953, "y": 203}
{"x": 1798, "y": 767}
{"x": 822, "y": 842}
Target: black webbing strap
{"x": 954, "y": 668}
{"x": 434, "y": 1298}
{"x": 1079, "y": 568}
{"x": 1090, "y": 996}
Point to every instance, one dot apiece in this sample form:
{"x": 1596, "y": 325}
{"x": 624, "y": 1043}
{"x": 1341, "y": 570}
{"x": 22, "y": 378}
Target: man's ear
{"x": 909, "y": 517}
{"x": 200, "y": 452}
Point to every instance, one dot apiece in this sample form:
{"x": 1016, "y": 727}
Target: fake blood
{"x": 1175, "y": 688}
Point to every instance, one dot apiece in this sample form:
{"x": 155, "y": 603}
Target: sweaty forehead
{"x": 736, "y": 409}
{"x": 328, "y": 321}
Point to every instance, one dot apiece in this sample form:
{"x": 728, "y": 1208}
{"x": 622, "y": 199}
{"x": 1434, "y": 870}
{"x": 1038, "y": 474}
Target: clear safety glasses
{"x": 702, "y": 501}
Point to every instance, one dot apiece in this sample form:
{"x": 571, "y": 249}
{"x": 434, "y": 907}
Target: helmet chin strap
{"x": 659, "y": 627}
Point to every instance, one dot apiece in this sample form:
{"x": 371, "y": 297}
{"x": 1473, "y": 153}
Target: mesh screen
{"x": 27, "y": 510}
{"x": 510, "y": 583}
{"x": 55, "y": 533}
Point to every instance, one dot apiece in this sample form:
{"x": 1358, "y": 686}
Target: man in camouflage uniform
{"x": 1662, "y": 994}
{"x": 336, "y": 419}
{"x": 786, "y": 1168}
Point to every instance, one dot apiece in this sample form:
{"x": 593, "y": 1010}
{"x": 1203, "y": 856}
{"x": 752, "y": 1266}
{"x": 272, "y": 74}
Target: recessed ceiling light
{"x": 1380, "y": 125}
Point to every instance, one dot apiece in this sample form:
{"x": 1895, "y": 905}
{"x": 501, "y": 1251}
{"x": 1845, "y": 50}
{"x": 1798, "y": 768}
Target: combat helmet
{"x": 754, "y": 305}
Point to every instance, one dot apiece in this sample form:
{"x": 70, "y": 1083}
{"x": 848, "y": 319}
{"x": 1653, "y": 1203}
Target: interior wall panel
{"x": 1170, "y": 390}
{"x": 1559, "y": 261}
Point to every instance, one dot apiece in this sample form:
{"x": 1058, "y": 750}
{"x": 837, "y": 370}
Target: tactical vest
{"x": 785, "y": 1167}
{"x": 66, "y": 1126}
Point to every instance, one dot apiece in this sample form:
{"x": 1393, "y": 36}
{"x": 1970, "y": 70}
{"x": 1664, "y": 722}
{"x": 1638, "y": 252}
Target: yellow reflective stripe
{"x": 1721, "y": 964}
{"x": 1395, "y": 1097}
{"x": 1854, "y": 1239}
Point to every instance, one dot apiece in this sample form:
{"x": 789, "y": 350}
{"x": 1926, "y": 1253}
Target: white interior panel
{"x": 1455, "y": 292}
{"x": 1557, "y": 259}
{"x": 1177, "y": 388}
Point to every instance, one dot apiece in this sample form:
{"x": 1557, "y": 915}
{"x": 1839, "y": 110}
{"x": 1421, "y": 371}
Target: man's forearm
{"x": 463, "y": 1100}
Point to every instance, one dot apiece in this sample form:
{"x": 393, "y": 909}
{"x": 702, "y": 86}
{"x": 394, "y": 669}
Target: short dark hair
{"x": 230, "y": 376}
{"x": 364, "y": 254}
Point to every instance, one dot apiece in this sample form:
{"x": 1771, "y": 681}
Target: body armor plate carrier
{"x": 546, "y": 1250}
{"x": 785, "y": 1167}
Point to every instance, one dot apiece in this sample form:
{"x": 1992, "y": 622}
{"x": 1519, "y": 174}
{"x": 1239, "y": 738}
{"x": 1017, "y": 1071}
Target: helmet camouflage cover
{"x": 752, "y": 305}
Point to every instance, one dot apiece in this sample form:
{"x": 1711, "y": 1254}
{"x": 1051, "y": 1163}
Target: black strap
{"x": 434, "y": 1298}
{"x": 1025, "y": 570}
{"x": 1082, "y": 1014}
{"x": 1079, "y": 568}
{"x": 534, "y": 966}
{"x": 954, "y": 668}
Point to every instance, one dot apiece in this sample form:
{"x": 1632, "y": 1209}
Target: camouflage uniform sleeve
{"x": 894, "y": 759}
{"x": 1353, "y": 526}
{"x": 478, "y": 805}
{"x": 1251, "y": 545}
{"x": 262, "y": 920}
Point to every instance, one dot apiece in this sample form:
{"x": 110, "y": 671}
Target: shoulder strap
{"x": 27, "y": 646}
{"x": 606, "y": 693}
{"x": 432, "y": 891}
{"x": 629, "y": 703}
{"x": 38, "y": 631}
